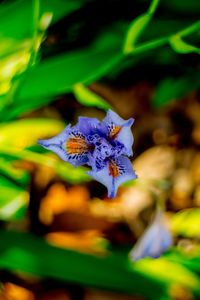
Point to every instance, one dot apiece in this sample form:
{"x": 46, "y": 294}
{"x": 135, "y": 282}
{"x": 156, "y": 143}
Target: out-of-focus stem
{"x": 164, "y": 40}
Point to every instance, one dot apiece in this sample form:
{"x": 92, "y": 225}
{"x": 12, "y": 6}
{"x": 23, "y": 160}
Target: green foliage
{"x": 64, "y": 170}
{"x": 182, "y": 47}
{"x": 171, "y": 89}
{"x": 187, "y": 222}
{"x": 88, "y": 98}
{"x": 12, "y": 23}
{"x": 81, "y": 66}
{"x": 15, "y": 136}
{"x": 192, "y": 262}
{"x": 137, "y": 27}
{"x": 24, "y": 252}
{"x": 26, "y": 132}
{"x": 21, "y": 177}
{"x": 167, "y": 271}
{"x": 13, "y": 200}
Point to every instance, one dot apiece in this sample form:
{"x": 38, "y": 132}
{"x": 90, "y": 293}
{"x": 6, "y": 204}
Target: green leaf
{"x": 170, "y": 272}
{"x": 65, "y": 170}
{"x": 17, "y": 175}
{"x": 12, "y": 65}
{"x": 174, "y": 88}
{"x": 82, "y": 66}
{"x": 27, "y": 253}
{"x": 10, "y": 112}
{"x": 17, "y": 135}
{"x": 190, "y": 260}
{"x": 89, "y": 98}
{"x": 187, "y": 222}
{"x": 26, "y": 132}
{"x": 137, "y": 27}
{"x": 39, "y": 85}
{"x": 12, "y": 23}
{"x": 13, "y": 200}
{"x": 134, "y": 32}
{"x": 73, "y": 175}
{"x": 181, "y": 46}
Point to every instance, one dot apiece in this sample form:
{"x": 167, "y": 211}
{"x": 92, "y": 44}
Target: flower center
{"x": 103, "y": 148}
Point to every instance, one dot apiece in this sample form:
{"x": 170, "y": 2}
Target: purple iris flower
{"x": 104, "y": 146}
{"x": 156, "y": 240}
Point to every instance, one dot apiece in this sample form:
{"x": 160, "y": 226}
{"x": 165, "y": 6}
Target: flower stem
{"x": 36, "y": 14}
{"x": 164, "y": 40}
{"x": 137, "y": 27}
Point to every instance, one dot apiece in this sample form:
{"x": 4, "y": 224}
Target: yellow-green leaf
{"x": 13, "y": 200}
{"x": 168, "y": 271}
{"x": 137, "y": 27}
{"x": 88, "y": 98}
{"x": 24, "y": 133}
{"x": 187, "y": 222}
{"x": 181, "y": 46}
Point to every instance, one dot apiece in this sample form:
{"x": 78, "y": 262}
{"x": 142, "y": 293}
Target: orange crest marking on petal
{"x": 76, "y": 145}
{"x": 114, "y": 131}
{"x": 113, "y": 169}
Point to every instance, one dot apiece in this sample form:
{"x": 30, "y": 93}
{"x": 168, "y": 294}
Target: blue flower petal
{"x": 70, "y": 145}
{"x": 116, "y": 171}
{"x": 156, "y": 240}
{"x": 55, "y": 144}
{"x": 120, "y": 130}
{"x": 91, "y": 126}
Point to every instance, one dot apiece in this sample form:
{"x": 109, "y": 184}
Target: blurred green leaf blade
{"x": 180, "y": 46}
{"x": 65, "y": 170}
{"x": 26, "y": 132}
{"x": 187, "y": 222}
{"x": 170, "y": 89}
{"x": 12, "y": 24}
{"x": 17, "y": 175}
{"x": 13, "y": 200}
{"x": 167, "y": 271}
{"x": 84, "y": 66}
{"x": 24, "y": 252}
{"x": 86, "y": 97}
{"x": 137, "y": 27}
